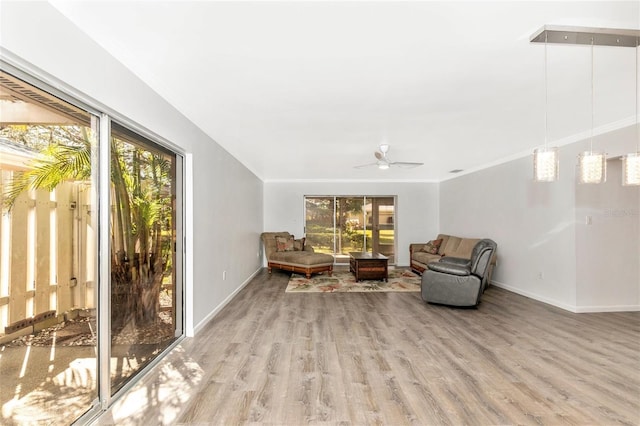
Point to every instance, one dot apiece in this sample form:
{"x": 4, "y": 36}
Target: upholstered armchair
{"x": 458, "y": 282}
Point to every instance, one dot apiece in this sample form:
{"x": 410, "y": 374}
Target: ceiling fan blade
{"x": 384, "y": 163}
{"x": 362, "y": 166}
{"x": 406, "y": 164}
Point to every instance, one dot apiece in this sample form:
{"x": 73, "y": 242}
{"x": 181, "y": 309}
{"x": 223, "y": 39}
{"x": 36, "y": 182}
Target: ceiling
{"x": 308, "y": 90}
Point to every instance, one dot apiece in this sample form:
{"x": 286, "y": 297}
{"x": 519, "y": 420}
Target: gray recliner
{"x": 458, "y": 282}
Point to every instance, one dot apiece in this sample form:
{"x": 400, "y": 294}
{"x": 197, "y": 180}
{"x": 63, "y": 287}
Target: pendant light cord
{"x": 636, "y": 80}
{"x": 546, "y": 94}
{"x": 592, "y": 98}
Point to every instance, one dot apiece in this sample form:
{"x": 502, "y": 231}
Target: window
{"x": 339, "y": 225}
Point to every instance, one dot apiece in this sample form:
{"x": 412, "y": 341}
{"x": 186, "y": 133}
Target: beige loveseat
{"x": 296, "y": 256}
{"x": 451, "y": 247}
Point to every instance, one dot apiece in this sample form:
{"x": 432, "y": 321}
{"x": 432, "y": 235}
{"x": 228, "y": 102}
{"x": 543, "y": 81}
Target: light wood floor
{"x": 272, "y": 357}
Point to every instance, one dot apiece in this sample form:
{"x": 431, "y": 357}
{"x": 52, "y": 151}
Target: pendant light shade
{"x": 545, "y": 164}
{"x": 631, "y": 169}
{"x": 592, "y": 167}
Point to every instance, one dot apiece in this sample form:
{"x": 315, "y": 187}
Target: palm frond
{"x": 58, "y": 163}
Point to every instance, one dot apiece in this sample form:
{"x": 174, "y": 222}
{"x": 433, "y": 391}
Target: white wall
{"x": 416, "y": 208}
{"x": 531, "y": 223}
{"x": 611, "y": 241}
{"x": 537, "y": 229}
{"x": 227, "y": 199}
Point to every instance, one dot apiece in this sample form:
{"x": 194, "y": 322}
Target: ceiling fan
{"x": 384, "y": 163}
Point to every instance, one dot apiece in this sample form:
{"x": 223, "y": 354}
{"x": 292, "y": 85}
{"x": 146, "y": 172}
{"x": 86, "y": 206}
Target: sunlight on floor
{"x": 165, "y": 390}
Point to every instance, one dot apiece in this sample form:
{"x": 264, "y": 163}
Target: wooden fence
{"x": 47, "y": 257}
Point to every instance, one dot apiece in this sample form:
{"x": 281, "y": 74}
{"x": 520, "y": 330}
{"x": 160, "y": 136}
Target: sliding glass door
{"x": 48, "y": 256}
{"x": 90, "y": 276}
{"x": 339, "y": 225}
{"x": 143, "y": 256}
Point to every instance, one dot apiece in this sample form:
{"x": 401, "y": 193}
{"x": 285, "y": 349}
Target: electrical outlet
{"x": 224, "y": 275}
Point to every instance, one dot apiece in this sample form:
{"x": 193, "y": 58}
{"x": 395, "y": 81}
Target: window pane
{"x": 48, "y": 232}
{"x": 383, "y": 232}
{"x": 144, "y": 306}
{"x": 319, "y": 224}
{"x": 350, "y": 226}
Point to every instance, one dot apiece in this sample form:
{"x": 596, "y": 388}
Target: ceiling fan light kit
{"x": 592, "y": 166}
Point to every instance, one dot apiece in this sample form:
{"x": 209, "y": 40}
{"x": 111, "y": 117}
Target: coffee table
{"x": 369, "y": 266}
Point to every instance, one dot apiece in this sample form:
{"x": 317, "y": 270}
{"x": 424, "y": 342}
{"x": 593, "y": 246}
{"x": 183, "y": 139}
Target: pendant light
{"x": 545, "y": 160}
{"x": 631, "y": 161}
{"x": 592, "y": 166}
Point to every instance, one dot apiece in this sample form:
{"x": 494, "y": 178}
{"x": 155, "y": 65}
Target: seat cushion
{"x": 424, "y": 258}
{"x": 449, "y": 268}
{"x": 301, "y": 258}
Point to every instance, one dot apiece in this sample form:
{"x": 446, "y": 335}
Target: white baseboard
{"x": 534, "y": 296}
{"x": 224, "y": 303}
{"x": 612, "y": 308}
{"x": 566, "y": 307}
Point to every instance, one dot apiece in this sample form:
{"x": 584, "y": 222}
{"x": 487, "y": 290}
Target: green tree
{"x": 143, "y": 211}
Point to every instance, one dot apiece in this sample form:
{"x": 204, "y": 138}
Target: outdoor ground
{"x": 49, "y": 377}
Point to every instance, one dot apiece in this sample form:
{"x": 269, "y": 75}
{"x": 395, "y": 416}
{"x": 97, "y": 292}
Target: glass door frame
{"x": 105, "y": 395}
{"x": 136, "y": 138}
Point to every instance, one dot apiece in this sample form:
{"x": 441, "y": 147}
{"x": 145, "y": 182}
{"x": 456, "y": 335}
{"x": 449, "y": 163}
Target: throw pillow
{"x": 298, "y": 245}
{"x": 432, "y": 246}
{"x": 284, "y": 243}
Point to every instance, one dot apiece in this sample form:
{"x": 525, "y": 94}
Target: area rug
{"x": 345, "y": 281}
